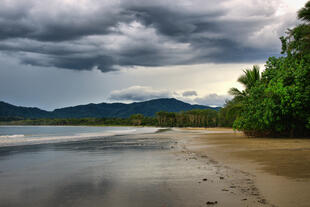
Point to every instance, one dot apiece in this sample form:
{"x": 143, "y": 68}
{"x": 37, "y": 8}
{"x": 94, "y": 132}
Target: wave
{"x": 119, "y": 132}
{"x": 20, "y": 139}
{"x": 12, "y": 136}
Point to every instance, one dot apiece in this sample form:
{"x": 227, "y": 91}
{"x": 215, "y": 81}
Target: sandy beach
{"x": 279, "y": 168}
{"x": 178, "y": 167}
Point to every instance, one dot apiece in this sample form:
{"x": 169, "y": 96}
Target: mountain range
{"x": 121, "y": 110}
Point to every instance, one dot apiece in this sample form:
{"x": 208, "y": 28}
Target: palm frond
{"x": 243, "y": 79}
{"x": 255, "y": 73}
{"x": 248, "y": 80}
{"x": 235, "y": 92}
{"x": 304, "y": 13}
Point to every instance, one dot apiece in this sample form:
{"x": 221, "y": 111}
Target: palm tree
{"x": 248, "y": 80}
{"x": 304, "y": 13}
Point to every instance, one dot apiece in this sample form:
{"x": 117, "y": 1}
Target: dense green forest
{"x": 276, "y": 102}
{"x": 193, "y": 118}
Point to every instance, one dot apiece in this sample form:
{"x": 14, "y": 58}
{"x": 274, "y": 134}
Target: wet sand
{"x": 158, "y": 169}
{"x": 280, "y": 167}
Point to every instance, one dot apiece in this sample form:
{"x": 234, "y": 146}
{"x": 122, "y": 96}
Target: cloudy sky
{"x": 57, "y": 53}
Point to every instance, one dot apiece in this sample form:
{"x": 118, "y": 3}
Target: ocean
{"x": 27, "y": 135}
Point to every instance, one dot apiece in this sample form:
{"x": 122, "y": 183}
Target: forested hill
{"x": 121, "y": 110}
{"x": 8, "y": 110}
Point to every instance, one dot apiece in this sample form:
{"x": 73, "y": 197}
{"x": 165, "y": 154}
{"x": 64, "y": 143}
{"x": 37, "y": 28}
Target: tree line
{"x": 193, "y": 118}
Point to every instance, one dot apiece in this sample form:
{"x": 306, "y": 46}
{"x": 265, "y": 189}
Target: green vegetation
{"x": 193, "y": 118}
{"x": 135, "y": 120}
{"x": 229, "y": 113}
{"x": 277, "y": 101}
{"x": 248, "y": 80}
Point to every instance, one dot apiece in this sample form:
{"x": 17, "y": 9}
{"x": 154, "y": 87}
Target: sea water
{"x": 25, "y": 135}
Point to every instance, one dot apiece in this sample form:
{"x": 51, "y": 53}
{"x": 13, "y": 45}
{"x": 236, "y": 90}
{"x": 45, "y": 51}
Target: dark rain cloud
{"x": 112, "y": 34}
{"x": 189, "y": 93}
{"x": 139, "y": 93}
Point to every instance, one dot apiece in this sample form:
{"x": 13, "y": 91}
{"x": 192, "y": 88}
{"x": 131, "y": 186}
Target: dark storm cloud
{"x": 173, "y": 22}
{"x": 111, "y": 34}
{"x": 139, "y": 93}
{"x": 57, "y": 20}
{"x": 189, "y": 93}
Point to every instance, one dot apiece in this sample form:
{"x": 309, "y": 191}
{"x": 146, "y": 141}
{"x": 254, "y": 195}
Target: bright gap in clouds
{"x": 295, "y": 4}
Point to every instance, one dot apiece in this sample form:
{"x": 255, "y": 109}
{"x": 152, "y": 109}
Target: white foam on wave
{"x": 14, "y": 140}
{"x": 126, "y": 131}
{"x": 8, "y": 141}
{"x": 12, "y": 136}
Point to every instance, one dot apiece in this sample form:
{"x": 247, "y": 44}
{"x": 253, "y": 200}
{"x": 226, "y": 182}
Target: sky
{"x": 58, "y": 53}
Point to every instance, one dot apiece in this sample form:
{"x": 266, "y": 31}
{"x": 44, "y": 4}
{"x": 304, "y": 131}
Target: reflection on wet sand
{"x": 136, "y": 170}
